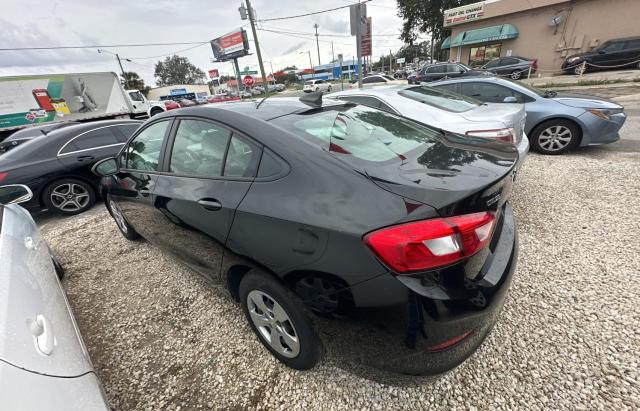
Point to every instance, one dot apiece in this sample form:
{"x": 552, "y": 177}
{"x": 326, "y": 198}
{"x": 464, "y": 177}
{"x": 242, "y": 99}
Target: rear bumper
{"x": 419, "y": 325}
{"x": 523, "y": 150}
{"x": 598, "y": 131}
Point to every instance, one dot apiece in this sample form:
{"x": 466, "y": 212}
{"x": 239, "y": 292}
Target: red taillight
{"x": 507, "y": 135}
{"x": 449, "y": 343}
{"x": 429, "y": 244}
{"x": 3, "y": 176}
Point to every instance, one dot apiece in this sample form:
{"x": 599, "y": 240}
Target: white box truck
{"x": 37, "y": 99}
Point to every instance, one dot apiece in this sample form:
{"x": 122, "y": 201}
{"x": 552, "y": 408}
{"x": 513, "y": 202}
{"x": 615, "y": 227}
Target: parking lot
{"x": 161, "y": 337}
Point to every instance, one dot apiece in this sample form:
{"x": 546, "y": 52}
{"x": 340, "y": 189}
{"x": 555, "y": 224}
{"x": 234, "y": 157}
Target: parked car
{"x": 400, "y": 74}
{"x": 388, "y": 242}
{"x": 379, "y": 80}
{"x": 256, "y": 91}
{"x": 221, "y": 98}
{"x": 556, "y": 122}
{"x": 41, "y": 349}
{"x": 280, "y": 87}
{"x": 170, "y": 104}
{"x": 514, "y": 67}
{"x": 612, "y": 54}
{"x": 29, "y": 133}
{"x": 57, "y": 168}
{"x": 411, "y": 78}
{"x": 316, "y": 85}
{"x": 448, "y": 111}
{"x": 185, "y": 102}
{"x": 440, "y": 71}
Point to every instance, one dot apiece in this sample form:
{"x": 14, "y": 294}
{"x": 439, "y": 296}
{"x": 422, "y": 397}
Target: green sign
{"x": 245, "y": 72}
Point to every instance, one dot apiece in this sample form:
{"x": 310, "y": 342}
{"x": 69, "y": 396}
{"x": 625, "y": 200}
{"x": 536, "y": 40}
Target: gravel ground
{"x": 568, "y": 338}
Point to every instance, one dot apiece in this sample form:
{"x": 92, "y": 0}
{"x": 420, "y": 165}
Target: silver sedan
{"x": 44, "y": 364}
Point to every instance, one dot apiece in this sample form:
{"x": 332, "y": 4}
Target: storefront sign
{"x": 400, "y": 60}
{"x": 366, "y": 39}
{"x": 464, "y": 14}
{"x": 213, "y": 73}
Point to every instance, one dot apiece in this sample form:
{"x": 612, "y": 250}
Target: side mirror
{"x": 461, "y": 71}
{"x": 14, "y": 194}
{"x": 510, "y": 99}
{"x": 106, "y": 167}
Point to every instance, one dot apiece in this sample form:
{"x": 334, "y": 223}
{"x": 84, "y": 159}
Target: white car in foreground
{"x": 447, "y": 111}
{"x": 44, "y": 364}
{"x": 316, "y": 85}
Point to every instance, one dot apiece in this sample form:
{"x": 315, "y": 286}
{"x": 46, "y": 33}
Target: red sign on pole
{"x": 213, "y": 73}
{"x": 366, "y": 40}
{"x": 248, "y": 81}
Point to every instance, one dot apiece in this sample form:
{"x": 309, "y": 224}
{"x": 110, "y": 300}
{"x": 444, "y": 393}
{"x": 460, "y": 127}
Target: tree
{"x": 177, "y": 70}
{"x": 426, "y": 16}
{"x": 290, "y": 68}
{"x": 132, "y": 81}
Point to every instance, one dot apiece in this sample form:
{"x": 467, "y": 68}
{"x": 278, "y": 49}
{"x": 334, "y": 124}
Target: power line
{"x": 170, "y": 54}
{"x": 309, "y": 14}
{"x": 302, "y": 37}
{"x": 102, "y": 46}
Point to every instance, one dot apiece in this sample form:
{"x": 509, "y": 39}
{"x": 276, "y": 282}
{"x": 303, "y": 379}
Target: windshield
{"x": 136, "y": 96}
{"x": 362, "y": 132}
{"x": 441, "y": 99}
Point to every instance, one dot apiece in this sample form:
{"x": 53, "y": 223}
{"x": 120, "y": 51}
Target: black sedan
{"x": 337, "y": 227}
{"x": 57, "y": 168}
{"x": 514, "y": 67}
{"x": 29, "y": 133}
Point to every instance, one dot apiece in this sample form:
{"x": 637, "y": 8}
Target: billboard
{"x": 231, "y": 45}
{"x": 463, "y": 14}
{"x": 213, "y": 73}
{"x": 41, "y": 99}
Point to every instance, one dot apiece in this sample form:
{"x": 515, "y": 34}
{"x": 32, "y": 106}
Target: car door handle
{"x": 85, "y": 158}
{"x": 210, "y": 204}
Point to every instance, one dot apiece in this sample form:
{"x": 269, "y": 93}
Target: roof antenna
{"x": 313, "y": 100}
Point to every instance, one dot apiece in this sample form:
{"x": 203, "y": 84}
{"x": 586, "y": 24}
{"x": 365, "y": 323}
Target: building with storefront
{"x": 333, "y": 71}
{"x": 546, "y": 30}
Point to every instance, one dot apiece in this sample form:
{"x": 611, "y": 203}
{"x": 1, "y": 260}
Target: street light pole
{"x": 315, "y": 26}
{"x": 255, "y": 39}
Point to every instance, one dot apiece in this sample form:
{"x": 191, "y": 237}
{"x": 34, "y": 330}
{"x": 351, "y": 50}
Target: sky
{"x": 99, "y": 22}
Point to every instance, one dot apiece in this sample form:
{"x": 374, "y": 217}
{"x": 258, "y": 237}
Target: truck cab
{"x": 140, "y": 106}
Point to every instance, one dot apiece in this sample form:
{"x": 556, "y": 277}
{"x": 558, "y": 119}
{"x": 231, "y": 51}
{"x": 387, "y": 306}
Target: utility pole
{"x": 120, "y": 64}
{"x": 359, "y": 42}
{"x": 255, "y": 39}
{"x": 315, "y": 26}
{"x": 333, "y": 58}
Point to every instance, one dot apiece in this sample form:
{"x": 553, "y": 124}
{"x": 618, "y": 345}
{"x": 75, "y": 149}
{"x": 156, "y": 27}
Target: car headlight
{"x": 572, "y": 59}
{"x": 605, "y": 114}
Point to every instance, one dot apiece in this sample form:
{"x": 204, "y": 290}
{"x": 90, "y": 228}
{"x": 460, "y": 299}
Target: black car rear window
{"x": 361, "y": 132}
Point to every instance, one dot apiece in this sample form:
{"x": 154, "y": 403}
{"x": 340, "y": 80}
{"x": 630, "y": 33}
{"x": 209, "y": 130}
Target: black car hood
{"x": 585, "y": 54}
{"x": 451, "y": 173}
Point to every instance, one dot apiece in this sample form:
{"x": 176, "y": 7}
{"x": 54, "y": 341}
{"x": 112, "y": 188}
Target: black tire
{"x": 310, "y": 347}
{"x": 156, "y": 110}
{"x": 516, "y": 75}
{"x": 540, "y": 140}
{"x": 329, "y": 89}
{"x": 57, "y": 198}
{"x": 123, "y": 225}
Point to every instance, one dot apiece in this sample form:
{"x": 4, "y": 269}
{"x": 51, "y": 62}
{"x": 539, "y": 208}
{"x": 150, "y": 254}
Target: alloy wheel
{"x": 555, "y": 138}
{"x": 516, "y": 75}
{"x": 70, "y": 197}
{"x": 273, "y": 323}
{"x": 117, "y": 215}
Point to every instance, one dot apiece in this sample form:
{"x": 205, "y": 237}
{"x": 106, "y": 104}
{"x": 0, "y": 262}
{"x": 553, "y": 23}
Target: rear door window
{"x": 242, "y": 158}
{"x": 373, "y": 79}
{"x": 199, "y": 148}
{"x": 508, "y": 61}
{"x": 490, "y": 93}
{"x": 93, "y": 139}
{"x": 441, "y": 99}
{"x": 124, "y": 132}
{"x": 368, "y": 101}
